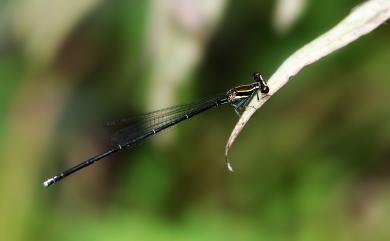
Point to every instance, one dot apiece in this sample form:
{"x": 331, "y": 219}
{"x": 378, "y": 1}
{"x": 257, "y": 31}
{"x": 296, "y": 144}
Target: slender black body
{"x": 163, "y": 119}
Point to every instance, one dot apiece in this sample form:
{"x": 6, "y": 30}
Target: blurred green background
{"x": 312, "y": 164}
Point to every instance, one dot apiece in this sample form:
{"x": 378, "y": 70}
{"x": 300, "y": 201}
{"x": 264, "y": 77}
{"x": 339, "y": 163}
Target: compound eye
{"x": 256, "y": 76}
{"x": 264, "y": 89}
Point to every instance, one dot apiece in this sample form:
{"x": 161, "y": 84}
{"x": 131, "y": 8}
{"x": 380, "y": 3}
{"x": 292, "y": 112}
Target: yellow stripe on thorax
{"x": 247, "y": 88}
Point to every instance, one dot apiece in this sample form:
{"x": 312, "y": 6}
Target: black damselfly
{"x": 138, "y": 128}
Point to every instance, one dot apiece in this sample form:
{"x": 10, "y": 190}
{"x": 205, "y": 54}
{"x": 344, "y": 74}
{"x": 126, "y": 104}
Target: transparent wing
{"x": 139, "y": 125}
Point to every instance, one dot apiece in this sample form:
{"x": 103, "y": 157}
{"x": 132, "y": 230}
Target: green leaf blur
{"x": 312, "y": 164}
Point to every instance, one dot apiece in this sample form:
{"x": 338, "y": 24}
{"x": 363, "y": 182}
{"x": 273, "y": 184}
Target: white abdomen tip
{"x": 48, "y": 182}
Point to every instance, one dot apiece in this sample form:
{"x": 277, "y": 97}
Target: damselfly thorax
{"x": 245, "y": 91}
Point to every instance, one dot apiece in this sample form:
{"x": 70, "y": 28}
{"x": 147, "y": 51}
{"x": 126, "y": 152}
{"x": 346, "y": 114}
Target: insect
{"x": 138, "y": 128}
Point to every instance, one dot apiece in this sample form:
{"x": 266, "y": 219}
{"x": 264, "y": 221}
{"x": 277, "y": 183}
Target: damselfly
{"x": 138, "y": 128}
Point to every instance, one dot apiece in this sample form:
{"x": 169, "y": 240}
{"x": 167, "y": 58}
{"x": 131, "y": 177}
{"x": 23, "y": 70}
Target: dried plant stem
{"x": 362, "y": 20}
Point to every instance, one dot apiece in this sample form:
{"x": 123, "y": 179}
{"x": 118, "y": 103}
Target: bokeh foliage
{"x": 312, "y": 165}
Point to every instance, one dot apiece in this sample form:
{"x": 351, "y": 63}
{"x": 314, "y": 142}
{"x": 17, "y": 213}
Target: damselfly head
{"x": 262, "y": 84}
{"x": 257, "y": 76}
